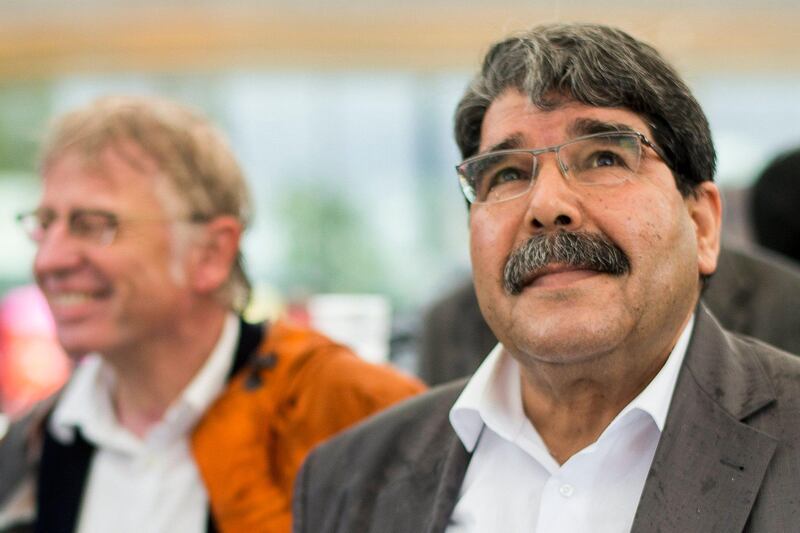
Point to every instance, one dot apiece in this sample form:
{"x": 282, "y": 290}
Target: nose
{"x": 57, "y": 252}
{"x": 552, "y": 203}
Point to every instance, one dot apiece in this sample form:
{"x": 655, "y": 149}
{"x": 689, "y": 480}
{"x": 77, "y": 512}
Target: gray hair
{"x": 192, "y": 154}
{"x": 598, "y": 66}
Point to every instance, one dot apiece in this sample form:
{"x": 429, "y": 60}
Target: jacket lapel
{"x": 449, "y": 485}
{"x": 418, "y": 492}
{"x": 709, "y": 463}
{"x": 423, "y": 499}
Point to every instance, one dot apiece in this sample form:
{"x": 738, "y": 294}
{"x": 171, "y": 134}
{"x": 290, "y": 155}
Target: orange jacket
{"x": 251, "y": 443}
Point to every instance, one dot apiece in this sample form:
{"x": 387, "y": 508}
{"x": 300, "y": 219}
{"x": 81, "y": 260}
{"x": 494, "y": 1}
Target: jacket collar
{"x": 425, "y": 486}
{"x": 250, "y": 337}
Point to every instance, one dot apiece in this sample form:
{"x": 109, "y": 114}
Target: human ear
{"x": 215, "y": 253}
{"x": 705, "y": 209}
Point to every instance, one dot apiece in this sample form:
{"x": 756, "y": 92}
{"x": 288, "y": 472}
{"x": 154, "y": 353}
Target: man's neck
{"x": 571, "y": 405}
{"x": 572, "y": 415}
{"x": 150, "y": 379}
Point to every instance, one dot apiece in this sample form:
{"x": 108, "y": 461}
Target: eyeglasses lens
{"x": 96, "y": 227}
{"x": 605, "y": 160}
{"x": 592, "y": 160}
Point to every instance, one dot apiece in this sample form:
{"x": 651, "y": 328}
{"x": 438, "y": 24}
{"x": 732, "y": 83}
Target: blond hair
{"x": 189, "y": 151}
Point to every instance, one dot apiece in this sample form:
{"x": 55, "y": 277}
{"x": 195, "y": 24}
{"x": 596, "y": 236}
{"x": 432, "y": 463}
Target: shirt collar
{"x": 86, "y": 404}
{"x": 493, "y": 395}
{"x": 208, "y": 383}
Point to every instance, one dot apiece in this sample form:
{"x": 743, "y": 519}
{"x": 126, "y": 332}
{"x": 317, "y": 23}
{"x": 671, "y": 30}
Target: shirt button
{"x": 566, "y": 490}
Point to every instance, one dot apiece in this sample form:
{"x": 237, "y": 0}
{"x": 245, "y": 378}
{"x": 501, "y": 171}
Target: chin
{"x": 78, "y": 343}
{"x": 76, "y": 351}
{"x": 557, "y": 350}
{"x": 566, "y": 342}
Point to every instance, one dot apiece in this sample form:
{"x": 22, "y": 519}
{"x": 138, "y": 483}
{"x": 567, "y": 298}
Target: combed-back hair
{"x": 597, "y": 66}
{"x": 189, "y": 151}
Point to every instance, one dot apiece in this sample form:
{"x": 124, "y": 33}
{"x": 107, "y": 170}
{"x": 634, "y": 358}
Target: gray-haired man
{"x": 614, "y": 402}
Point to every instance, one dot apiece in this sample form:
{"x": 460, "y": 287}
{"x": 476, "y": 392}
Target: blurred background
{"x": 340, "y": 113}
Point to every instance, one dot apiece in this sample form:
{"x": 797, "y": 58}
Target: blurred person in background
{"x": 774, "y": 201}
{"x": 181, "y": 416}
{"x": 615, "y": 401}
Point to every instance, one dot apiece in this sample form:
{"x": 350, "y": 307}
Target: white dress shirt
{"x": 513, "y": 484}
{"x": 142, "y": 485}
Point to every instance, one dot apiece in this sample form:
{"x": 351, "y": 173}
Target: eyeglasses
{"x": 600, "y": 159}
{"x": 94, "y": 226}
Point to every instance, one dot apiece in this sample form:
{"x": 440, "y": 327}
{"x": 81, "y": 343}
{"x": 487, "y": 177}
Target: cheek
{"x": 648, "y": 221}
{"x": 647, "y": 227}
{"x": 491, "y": 240}
{"x": 663, "y": 241}
{"x": 151, "y": 265}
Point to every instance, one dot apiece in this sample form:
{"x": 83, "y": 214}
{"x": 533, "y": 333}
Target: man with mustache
{"x": 614, "y": 401}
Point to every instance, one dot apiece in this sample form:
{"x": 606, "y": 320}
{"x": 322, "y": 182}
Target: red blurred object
{"x": 32, "y": 363}
{"x": 297, "y": 312}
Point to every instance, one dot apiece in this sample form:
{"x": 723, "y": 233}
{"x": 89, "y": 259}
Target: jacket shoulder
{"x": 294, "y": 343}
{"x": 310, "y": 364}
{"x": 404, "y": 433}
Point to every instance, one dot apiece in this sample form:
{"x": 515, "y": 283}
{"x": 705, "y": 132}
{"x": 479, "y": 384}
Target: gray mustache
{"x": 580, "y": 249}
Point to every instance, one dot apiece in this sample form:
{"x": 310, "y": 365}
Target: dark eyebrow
{"x": 589, "y": 126}
{"x": 509, "y": 143}
{"x": 579, "y": 128}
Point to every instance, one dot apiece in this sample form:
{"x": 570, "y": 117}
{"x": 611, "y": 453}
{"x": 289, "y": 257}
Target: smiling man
{"x": 614, "y": 400}
{"x": 180, "y": 416}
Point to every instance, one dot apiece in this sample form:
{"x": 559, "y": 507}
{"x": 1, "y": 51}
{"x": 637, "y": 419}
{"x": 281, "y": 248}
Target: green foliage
{"x": 330, "y": 247}
{"x": 24, "y": 111}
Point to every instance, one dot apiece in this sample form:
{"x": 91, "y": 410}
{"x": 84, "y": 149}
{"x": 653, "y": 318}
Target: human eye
{"x": 36, "y": 223}
{"x": 606, "y": 158}
{"x": 92, "y": 224}
{"x": 603, "y": 159}
{"x": 504, "y": 176}
{"x": 600, "y": 153}
{"x": 42, "y": 218}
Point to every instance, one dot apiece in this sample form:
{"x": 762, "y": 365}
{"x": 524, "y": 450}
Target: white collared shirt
{"x": 513, "y": 484}
{"x": 142, "y": 485}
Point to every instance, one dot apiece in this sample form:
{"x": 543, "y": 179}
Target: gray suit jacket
{"x": 728, "y": 459}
